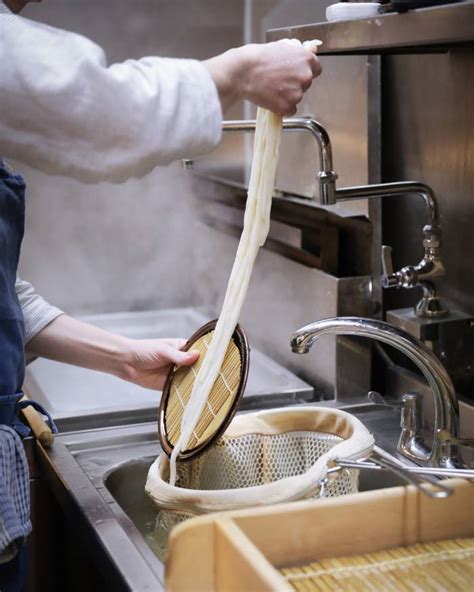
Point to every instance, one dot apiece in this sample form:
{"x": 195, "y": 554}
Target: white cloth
{"x": 64, "y": 111}
{"x": 37, "y": 313}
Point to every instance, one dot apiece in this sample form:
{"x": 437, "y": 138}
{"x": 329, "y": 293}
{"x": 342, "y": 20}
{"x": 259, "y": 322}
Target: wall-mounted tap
{"x": 431, "y": 266}
{"x": 326, "y": 177}
{"x": 444, "y": 448}
{"x": 411, "y": 276}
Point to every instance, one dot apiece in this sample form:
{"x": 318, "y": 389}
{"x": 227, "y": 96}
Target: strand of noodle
{"x": 255, "y": 230}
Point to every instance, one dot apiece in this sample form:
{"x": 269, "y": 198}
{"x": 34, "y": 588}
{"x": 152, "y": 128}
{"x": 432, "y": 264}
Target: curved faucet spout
{"x": 394, "y": 190}
{"x": 326, "y": 176}
{"x": 446, "y": 405}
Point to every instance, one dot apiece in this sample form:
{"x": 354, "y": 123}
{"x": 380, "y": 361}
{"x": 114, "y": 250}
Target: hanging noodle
{"x": 255, "y": 231}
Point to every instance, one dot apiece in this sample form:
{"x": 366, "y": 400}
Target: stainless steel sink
{"x": 370, "y": 480}
{"x": 119, "y": 465}
{"x": 100, "y": 477}
{"x": 126, "y": 484}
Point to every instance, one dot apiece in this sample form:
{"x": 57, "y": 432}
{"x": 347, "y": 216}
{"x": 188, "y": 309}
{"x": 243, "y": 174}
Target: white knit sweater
{"x": 64, "y": 111}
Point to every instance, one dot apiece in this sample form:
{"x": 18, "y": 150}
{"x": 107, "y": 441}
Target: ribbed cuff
{"x": 44, "y": 315}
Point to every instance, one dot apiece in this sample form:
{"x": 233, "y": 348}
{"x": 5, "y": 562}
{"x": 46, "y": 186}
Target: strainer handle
{"x": 412, "y": 475}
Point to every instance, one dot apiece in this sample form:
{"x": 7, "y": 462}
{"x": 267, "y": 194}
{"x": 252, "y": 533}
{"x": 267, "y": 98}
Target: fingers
{"x": 296, "y": 78}
{"x": 313, "y": 62}
{"x": 289, "y": 111}
{"x": 312, "y": 45}
{"x": 176, "y": 342}
{"x": 188, "y": 357}
{"x": 271, "y": 75}
{"x": 174, "y": 355}
{"x": 316, "y": 67}
{"x": 191, "y": 357}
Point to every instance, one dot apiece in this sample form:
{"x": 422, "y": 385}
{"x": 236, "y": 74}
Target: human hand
{"x": 271, "y": 75}
{"x": 148, "y": 361}
{"x": 145, "y": 362}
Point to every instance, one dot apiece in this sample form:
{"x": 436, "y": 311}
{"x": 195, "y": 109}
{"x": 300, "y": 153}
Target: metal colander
{"x": 264, "y": 458}
{"x": 255, "y": 459}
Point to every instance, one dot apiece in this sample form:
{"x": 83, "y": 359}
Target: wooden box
{"x": 242, "y": 550}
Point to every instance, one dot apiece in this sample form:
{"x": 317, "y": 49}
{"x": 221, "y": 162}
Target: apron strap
{"x": 10, "y": 407}
{"x": 40, "y": 409}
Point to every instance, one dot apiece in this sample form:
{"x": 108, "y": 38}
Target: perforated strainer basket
{"x": 267, "y": 457}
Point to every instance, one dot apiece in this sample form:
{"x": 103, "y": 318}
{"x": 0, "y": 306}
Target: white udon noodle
{"x": 255, "y": 230}
{"x": 256, "y": 225}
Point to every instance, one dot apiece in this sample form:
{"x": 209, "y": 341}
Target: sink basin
{"x": 126, "y": 483}
{"x": 370, "y": 480}
{"x": 99, "y": 477}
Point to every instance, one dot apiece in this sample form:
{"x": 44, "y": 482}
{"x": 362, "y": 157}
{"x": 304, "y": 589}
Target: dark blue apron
{"x": 12, "y": 223}
{"x": 12, "y": 350}
{"x": 12, "y": 356}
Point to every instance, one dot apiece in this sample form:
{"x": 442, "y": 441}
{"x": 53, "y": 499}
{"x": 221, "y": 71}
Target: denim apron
{"x": 12, "y": 334}
{"x": 12, "y": 350}
{"x": 12, "y": 358}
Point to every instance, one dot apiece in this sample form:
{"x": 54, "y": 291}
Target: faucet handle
{"x": 411, "y": 443}
{"x": 411, "y": 418}
{"x": 389, "y": 279}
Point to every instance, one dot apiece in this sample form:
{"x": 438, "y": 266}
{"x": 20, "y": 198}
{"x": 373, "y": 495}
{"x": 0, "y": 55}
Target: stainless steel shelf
{"x": 429, "y": 29}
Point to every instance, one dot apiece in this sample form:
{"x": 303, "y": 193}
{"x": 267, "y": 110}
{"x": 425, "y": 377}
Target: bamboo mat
{"x": 424, "y": 567}
{"x": 220, "y": 400}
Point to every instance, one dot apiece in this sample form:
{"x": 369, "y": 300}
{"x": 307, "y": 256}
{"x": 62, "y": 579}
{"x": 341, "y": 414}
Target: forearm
{"x": 72, "y": 341}
{"x": 145, "y": 362}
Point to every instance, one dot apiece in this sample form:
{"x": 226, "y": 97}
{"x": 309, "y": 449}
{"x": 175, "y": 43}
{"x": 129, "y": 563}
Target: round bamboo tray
{"x": 223, "y": 400}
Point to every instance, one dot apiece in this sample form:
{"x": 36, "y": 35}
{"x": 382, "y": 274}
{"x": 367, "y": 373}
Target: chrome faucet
{"x": 326, "y": 176}
{"x": 410, "y": 276}
{"x": 444, "y": 448}
{"x": 431, "y": 266}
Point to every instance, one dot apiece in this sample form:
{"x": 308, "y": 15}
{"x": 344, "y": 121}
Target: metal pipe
{"x": 391, "y": 190}
{"x": 446, "y": 405}
{"x": 431, "y": 266}
{"x": 411, "y": 276}
{"x": 434, "y": 471}
{"x": 326, "y": 176}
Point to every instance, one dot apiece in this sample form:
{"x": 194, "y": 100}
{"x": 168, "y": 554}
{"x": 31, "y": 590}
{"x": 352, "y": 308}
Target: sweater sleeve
{"x": 37, "y": 313}
{"x": 65, "y": 111}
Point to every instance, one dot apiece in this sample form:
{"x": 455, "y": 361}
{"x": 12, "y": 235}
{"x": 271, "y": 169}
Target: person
{"x": 65, "y": 111}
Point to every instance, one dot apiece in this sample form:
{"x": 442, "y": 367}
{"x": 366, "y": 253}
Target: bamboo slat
{"x": 220, "y": 399}
{"x": 442, "y": 565}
